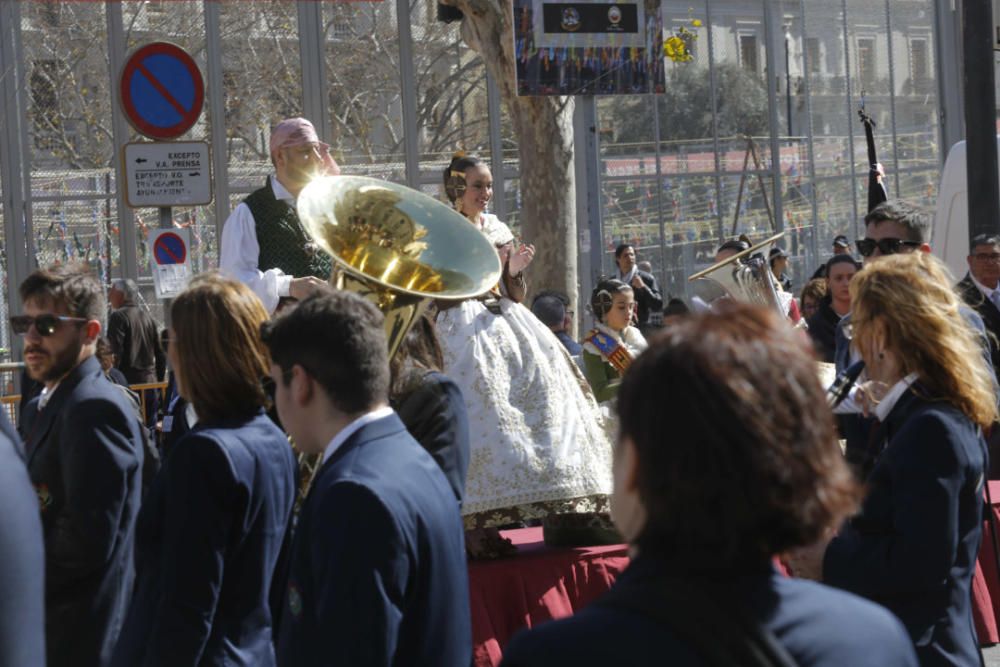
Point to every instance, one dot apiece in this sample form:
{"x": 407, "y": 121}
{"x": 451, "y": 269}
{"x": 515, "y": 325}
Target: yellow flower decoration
{"x": 677, "y": 47}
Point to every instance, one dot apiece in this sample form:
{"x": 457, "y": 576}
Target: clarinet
{"x": 841, "y": 387}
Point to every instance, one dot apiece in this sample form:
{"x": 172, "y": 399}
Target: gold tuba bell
{"x": 396, "y": 246}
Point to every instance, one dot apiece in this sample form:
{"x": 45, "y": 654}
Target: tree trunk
{"x": 544, "y": 130}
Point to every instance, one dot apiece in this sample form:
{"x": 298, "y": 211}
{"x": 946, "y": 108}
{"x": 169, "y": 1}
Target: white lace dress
{"x": 538, "y": 440}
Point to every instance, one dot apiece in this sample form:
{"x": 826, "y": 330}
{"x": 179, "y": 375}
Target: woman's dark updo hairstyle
{"x": 604, "y": 294}
{"x": 840, "y": 259}
{"x": 758, "y": 470}
{"x": 454, "y": 175}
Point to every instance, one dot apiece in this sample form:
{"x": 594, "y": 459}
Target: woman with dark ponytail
{"x": 538, "y": 443}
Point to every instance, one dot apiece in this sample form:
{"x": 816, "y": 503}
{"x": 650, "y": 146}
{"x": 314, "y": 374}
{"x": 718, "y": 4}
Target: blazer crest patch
{"x": 44, "y": 497}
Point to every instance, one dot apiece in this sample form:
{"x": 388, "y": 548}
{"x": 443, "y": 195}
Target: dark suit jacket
{"x": 822, "y": 330}
{"x": 378, "y": 573}
{"x": 85, "y": 459}
{"x": 207, "y": 540}
{"x": 988, "y": 311}
{"x": 817, "y": 625}
{"x": 647, "y": 300}
{"x": 913, "y": 548}
{"x": 135, "y": 340}
{"x": 22, "y": 576}
{"x": 434, "y": 414}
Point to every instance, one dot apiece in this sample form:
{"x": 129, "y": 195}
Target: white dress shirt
{"x": 991, "y": 294}
{"x": 350, "y": 429}
{"x": 891, "y": 397}
{"x": 241, "y": 252}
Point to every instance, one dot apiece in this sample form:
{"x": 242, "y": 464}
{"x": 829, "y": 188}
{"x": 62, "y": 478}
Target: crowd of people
{"x": 700, "y": 438}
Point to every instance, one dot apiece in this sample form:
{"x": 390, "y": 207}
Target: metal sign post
{"x": 162, "y": 93}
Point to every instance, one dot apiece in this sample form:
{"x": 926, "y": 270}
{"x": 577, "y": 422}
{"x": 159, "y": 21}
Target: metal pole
{"x": 949, "y": 75}
{"x": 772, "y": 105}
{"x": 120, "y": 134}
{"x": 18, "y": 240}
{"x": 217, "y": 113}
{"x": 788, "y": 80}
{"x": 408, "y": 92}
{"x": 314, "y": 91}
{"x": 814, "y": 245}
{"x": 892, "y": 96}
{"x": 980, "y": 118}
{"x": 850, "y": 116}
{"x": 716, "y": 151}
{"x": 659, "y": 191}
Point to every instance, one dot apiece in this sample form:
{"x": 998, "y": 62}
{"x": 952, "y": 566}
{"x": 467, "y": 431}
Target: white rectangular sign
{"x": 170, "y": 261}
{"x": 171, "y": 173}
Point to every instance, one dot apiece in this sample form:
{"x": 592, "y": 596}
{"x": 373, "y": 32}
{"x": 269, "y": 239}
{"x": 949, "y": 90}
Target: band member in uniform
{"x": 22, "y": 577}
{"x": 85, "y": 455}
{"x": 263, "y": 242}
{"x": 213, "y": 523}
{"x": 914, "y": 546}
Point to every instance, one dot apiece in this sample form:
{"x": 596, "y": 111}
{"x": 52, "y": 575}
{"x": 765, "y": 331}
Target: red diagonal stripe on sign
{"x": 163, "y": 246}
{"x": 161, "y": 89}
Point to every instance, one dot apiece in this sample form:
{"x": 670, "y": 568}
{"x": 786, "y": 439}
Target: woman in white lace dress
{"x": 538, "y": 443}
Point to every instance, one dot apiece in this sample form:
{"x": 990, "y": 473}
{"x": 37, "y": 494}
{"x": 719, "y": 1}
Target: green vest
{"x": 283, "y": 243}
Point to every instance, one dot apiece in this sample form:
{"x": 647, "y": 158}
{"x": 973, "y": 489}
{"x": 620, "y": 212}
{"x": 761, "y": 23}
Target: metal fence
{"x": 762, "y": 118}
{"x": 760, "y": 132}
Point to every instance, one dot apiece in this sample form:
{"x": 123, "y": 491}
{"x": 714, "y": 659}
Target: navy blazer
{"x": 913, "y": 548}
{"x": 434, "y": 414}
{"x": 208, "y": 537}
{"x": 987, "y": 310}
{"x": 22, "y": 559}
{"x": 647, "y": 300}
{"x": 378, "y": 573}
{"x": 817, "y": 625}
{"x": 85, "y": 460}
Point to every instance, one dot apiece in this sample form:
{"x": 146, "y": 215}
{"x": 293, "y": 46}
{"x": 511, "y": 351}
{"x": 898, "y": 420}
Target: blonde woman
{"x": 914, "y": 545}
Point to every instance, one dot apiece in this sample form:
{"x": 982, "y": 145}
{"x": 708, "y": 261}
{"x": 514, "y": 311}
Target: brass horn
{"x": 396, "y": 246}
{"x": 745, "y": 277}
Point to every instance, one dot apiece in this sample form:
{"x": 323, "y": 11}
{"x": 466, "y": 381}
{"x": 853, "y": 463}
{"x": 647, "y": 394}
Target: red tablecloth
{"x": 535, "y": 585}
{"x": 986, "y": 582}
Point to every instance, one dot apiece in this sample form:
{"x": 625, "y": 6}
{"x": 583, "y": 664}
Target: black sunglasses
{"x": 45, "y": 325}
{"x": 888, "y": 246}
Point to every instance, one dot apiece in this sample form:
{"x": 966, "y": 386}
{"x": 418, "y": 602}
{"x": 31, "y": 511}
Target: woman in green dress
{"x": 610, "y": 347}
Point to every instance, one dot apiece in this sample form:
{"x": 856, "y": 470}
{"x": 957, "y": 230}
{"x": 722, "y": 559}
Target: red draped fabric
{"x": 537, "y": 584}
{"x": 986, "y": 582}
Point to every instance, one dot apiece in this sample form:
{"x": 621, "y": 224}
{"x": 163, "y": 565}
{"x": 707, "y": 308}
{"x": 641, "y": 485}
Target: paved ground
{"x": 992, "y": 655}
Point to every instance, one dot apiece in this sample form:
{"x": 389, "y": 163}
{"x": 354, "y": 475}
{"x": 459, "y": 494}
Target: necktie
{"x": 995, "y": 297}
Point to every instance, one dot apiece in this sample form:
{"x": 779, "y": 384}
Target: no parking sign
{"x": 161, "y": 90}
{"x": 169, "y": 261}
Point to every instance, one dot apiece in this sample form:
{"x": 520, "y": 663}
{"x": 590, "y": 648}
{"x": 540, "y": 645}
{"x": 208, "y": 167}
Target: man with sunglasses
{"x": 263, "y": 242}
{"x": 892, "y": 227}
{"x": 84, "y": 452}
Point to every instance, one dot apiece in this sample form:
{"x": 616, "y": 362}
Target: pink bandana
{"x": 297, "y": 131}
